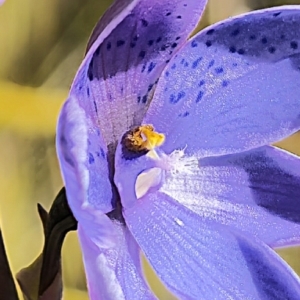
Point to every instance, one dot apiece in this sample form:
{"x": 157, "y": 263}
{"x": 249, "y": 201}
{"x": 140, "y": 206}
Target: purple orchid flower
{"x": 163, "y": 147}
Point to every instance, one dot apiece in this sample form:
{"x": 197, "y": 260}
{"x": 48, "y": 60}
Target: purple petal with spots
{"x": 194, "y": 256}
{"x": 121, "y": 69}
{"x": 233, "y": 87}
{"x": 114, "y": 273}
{"x": 257, "y": 192}
{"x": 118, "y": 9}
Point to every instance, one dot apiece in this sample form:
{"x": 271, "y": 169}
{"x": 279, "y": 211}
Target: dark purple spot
{"x": 144, "y": 23}
{"x": 97, "y": 52}
{"x": 174, "y": 45}
{"x": 68, "y": 159}
{"x": 178, "y": 17}
{"x": 177, "y": 38}
{"x": 132, "y": 45}
{"x": 264, "y": 40}
{"x": 294, "y": 45}
{"x": 95, "y": 105}
{"x": 167, "y": 61}
{"x": 219, "y": 70}
{"x": 102, "y": 152}
{"x": 150, "y": 42}
{"x": 211, "y": 63}
{"x": 210, "y": 31}
{"x": 173, "y": 66}
{"x": 144, "y": 100}
{"x": 150, "y": 87}
{"x": 184, "y": 114}
{"x": 88, "y": 91}
{"x": 167, "y": 74}
{"x": 139, "y": 99}
{"x": 151, "y": 66}
{"x": 172, "y": 99}
{"x": 144, "y": 67}
{"x": 225, "y": 83}
{"x": 108, "y": 46}
{"x": 235, "y": 32}
{"x": 272, "y": 49}
{"x": 201, "y": 82}
{"x": 158, "y": 40}
{"x": 91, "y": 158}
{"x": 90, "y": 71}
{"x": 168, "y": 14}
{"x": 196, "y": 63}
{"x": 142, "y": 54}
{"x": 232, "y": 49}
{"x": 276, "y": 14}
{"x": 252, "y": 37}
{"x": 199, "y": 96}
{"x": 194, "y": 44}
{"x": 181, "y": 94}
{"x": 186, "y": 64}
{"x": 135, "y": 38}
{"x": 120, "y": 43}
{"x": 63, "y": 140}
{"x": 241, "y": 51}
{"x": 208, "y": 43}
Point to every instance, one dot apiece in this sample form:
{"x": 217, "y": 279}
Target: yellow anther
{"x": 151, "y": 139}
{"x": 143, "y": 138}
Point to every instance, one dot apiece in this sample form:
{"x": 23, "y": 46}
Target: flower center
{"x": 140, "y": 140}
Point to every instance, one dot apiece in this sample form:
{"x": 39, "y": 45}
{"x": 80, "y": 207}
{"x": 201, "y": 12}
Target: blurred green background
{"x": 41, "y": 46}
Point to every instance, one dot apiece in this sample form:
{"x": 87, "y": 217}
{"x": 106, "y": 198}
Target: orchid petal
{"x": 232, "y": 87}
{"x": 114, "y": 273}
{"x": 257, "y": 192}
{"x": 112, "y": 16}
{"x": 196, "y": 258}
{"x": 116, "y": 80}
{"x": 82, "y": 157}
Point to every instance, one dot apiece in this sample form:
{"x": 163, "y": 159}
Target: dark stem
{"x": 59, "y": 223}
{"x": 8, "y": 289}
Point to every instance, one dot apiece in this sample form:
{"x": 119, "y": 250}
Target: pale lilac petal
{"x": 114, "y": 273}
{"x": 233, "y": 87}
{"x": 196, "y": 257}
{"x": 82, "y": 157}
{"x": 257, "y": 192}
{"x": 121, "y": 69}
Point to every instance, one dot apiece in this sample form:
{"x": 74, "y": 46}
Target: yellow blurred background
{"x": 41, "y": 46}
